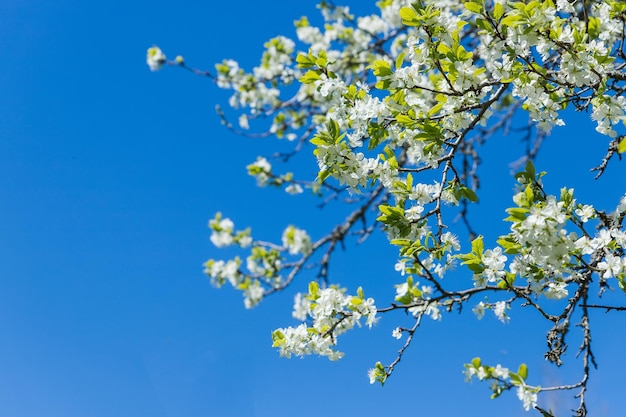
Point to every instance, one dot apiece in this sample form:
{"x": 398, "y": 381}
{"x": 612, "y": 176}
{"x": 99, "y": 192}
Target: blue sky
{"x": 108, "y": 176}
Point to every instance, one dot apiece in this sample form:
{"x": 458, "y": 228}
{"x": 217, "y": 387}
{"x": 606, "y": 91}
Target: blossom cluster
{"x": 502, "y": 379}
{"x": 296, "y": 241}
{"x": 331, "y": 312}
{"x": 418, "y": 299}
{"x": 261, "y": 169}
{"x": 264, "y": 264}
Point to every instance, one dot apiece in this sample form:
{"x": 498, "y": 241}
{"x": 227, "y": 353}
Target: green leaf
{"x": 515, "y": 379}
{"x": 511, "y": 21}
{"x": 304, "y": 61}
{"x": 473, "y": 7}
{"x": 360, "y": 293}
{"x": 510, "y": 246}
{"x": 476, "y": 267}
{"x": 444, "y": 49}
{"x": 321, "y": 60}
{"x": 405, "y": 120}
{"x": 469, "y": 194}
{"x": 478, "y": 246}
{"x": 498, "y": 11}
{"x": 516, "y": 214}
{"x": 278, "y": 338}
{"x": 495, "y": 394}
{"x": 594, "y": 25}
{"x": 507, "y": 281}
{"x": 530, "y": 170}
{"x": 400, "y": 60}
{"x": 377, "y": 133}
{"x": 483, "y": 24}
{"x": 523, "y": 371}
{"x": 317, "y": 141}
{"x": 322, "y": 176}
{"x": 462, "y": 54}
{"x": 310, "y": 77}
{"x": 476, "y": 362}
{"x": 355, "y": 301}
{"x": 409, "y": 16}
{"x": 381, "y": 68}
{"x": 314, "y": 289}
{"x": 435, "y": 109}
{"x": 621, "y": 148}
{"x": 385, "y": 209}
{"x": 529, "y": 194}
{"x": 509, "y": 278}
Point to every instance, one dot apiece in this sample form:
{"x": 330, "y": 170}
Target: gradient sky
{"x": 108, "y": 176}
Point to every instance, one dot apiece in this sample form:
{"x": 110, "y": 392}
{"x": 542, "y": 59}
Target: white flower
{"x": 448, "y": 238}
{"x": 556, "y": 290}
{"x": 301, "y": 307}
{"x": 215, "y": 270}
{"x": 613, "y": 266}
{"x": 494, "y": 262}
{"x": 400, "y": 266}
{"x": 422, "y": 193}
{"x": 293, "y": 189}
{"x": 619, "y": 236}
{"x": 371, "y": 374}
{"x": 564, "y": 6}
{"x": 222, "y": 232}
{"x": 433, "y": 311}
{"x": 261, "y": 169}
{"x": 494, "y": 259}
{"x": 231, "y": 272}
{"x": 527, "y": 396}
{"x": 401, "y": 289}
{"x": 469, "y": 372}
{"x": 297, "y": 241}
{"x": 253, "y": 294}
{"x": 499, "y": 309}
{"x": 479, "y": 310}
{"x": 262, "y": 164}
{"x": 245, "y": 241}
{"x": 585, "y": 212}
{"x": 500, "y": 372}
{"x": 397, "y": 333}
{"x": 414, "y": 212}
{"x": 585, "y": 245}
{"x": 155, "y": 58}
{"x": 243, "y": 121}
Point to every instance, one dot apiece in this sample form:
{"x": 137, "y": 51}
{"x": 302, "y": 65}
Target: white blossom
{"x": 296, "y": 241}
{"x": 556, "y": 290}
{"x": 499, "y": 309}
{"x": 527, "y": 396}
{"x": 222, "y": 232}
{"x": 294, "y": 189}
{"x": 500, "y": 372}
{"x": 397, "y": 333}
{"x": 479, "y": 310}
{"x": 155, "y": 58}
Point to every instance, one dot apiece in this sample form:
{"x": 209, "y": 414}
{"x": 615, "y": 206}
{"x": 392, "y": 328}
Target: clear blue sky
{"x": 108, "y": 176}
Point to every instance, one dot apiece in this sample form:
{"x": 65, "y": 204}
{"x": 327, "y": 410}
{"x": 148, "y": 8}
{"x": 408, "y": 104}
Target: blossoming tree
{"x": 395, "y": 106}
